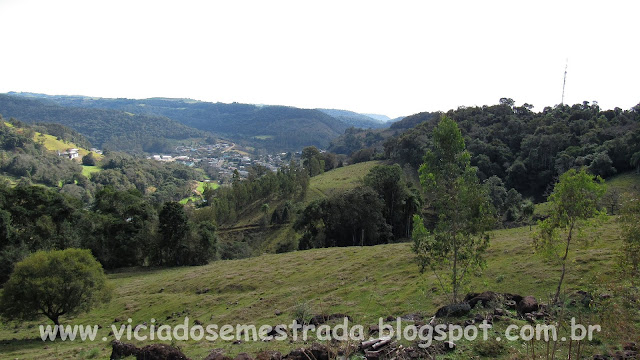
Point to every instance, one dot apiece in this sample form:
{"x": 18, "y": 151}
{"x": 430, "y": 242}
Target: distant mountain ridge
{"x": 356, "y": 119}
{"x": 120, "y": 130}
{"x": 272, "y": 127}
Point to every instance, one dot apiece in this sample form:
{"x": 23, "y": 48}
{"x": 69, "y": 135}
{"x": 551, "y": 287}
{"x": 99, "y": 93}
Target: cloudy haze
{"x": 392, "y": 57}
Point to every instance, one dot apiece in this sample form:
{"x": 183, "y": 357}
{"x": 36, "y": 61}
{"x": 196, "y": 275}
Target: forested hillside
{"x": 275, "y": 128}
{"x": 114, "y": 129}
{"x": 525, "y": 149}
{"x": 355, "y": 119}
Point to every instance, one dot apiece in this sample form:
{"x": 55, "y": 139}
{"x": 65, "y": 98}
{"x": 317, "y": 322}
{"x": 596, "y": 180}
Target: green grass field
{"x": 338, "y": 180}
{"x": 88, "y": 170}
{"x": 53, "y": 144}
{"x": 364, "y": 282}
{"x": 199, "y": 189}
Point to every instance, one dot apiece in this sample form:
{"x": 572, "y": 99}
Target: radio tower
{"x": 564, "y": 82}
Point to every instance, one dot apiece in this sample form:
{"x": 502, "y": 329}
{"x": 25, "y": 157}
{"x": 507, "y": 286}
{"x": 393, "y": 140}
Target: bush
{"x": 54, "y": 283}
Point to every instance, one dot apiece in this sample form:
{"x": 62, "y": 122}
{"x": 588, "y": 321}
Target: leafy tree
{"x": 462, "y": 206}
{"x": 54, "y": 283}
{"x": 574, "y": 202}
{"x": 528, "y": 208}
{"x": 399, "y": 200}
{"x": 174, "y": 229}
{"x": 630, "y": 221}
{"x": 89, "y": 160}
{"x": 602, "y": 165}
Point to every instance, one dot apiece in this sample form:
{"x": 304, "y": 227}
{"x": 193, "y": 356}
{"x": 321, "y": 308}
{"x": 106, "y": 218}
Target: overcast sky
{"x": 386, "y": 57}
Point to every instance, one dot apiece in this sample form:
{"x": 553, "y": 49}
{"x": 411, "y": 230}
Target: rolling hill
{"x": 118, "y": 130}
{"x": 364, "y": 282}
{"x": 276, "y": 128}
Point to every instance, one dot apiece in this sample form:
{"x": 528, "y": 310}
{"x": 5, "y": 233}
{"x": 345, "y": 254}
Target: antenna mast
{"x": 564, "y": 82}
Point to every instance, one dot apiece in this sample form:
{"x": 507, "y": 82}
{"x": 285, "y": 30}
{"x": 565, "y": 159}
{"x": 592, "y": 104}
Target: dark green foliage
{"x": 400, "y": 200}
{"x": 286, "y": 128}
{"x": 354, "y": 218}
{"x": 174, "y": 230}
{"x": 287, "y": 183}
{"x": 124, "y": 223}
{"x": 103, "y": 128}
{"x": 529, "y": 150}
{"x": 54, "y": 283}
{"x": 89, "y": 160}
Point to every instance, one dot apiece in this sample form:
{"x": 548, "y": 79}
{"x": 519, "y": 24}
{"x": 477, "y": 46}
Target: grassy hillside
{"x": 338, "y": 180}
{"x": 365, "y": 283}
{"x": 53, "y": 144}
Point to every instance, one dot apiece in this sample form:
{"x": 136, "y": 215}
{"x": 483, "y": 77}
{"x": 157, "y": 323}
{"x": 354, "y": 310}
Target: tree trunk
{"x": 564, "y": 263}
{"x": 55, "y": 318}
{"x": 455, "y": 271}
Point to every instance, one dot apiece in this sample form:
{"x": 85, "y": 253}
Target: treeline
{"x": 121, "y": 228}
{"x": 113, "y": 129}
{"x": 263, "y": 186}
{"x": 528, "y": 150}
{"x": 377, "y": 212}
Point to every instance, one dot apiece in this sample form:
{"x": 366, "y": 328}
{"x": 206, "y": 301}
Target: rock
{"x": 511, "y": 304}
{"x": 274, "y": 330}
{"x": 479, "y": 318}
{"x": 316, "y": 352}
{"x": 514, "y": 297}
{"x": 374, "y": 329}
{"x": 121, "y": 350}
{"x": 539, "y": 314}
{"x": 485, "y": 298}
{"x": 296, "y": 354}
{"x": 197, "y": 322}
{"x": 499, "y": 312}
{"x": 454, "y": 310}
{"x": 527, "y": 304}
{"x": 530, "y": 318}
{"x": 605, "y": 296}
{"x": 321, "y": 319}
{"x": 203, "y": 291}
{"x": 237, "y": 342}
{"x": 150, "y": 352}
{"x": 278, "y": 312}
{"x": 243, "y": 356}
{"x": 117, "y": 320}
{"x": 160, "y": 352}
{"x": 217, "y": 354}
{"x": 390, "y": 318}
{"x": 631, "y": 346}
{"x": 449, "y": 346}
{"x": 320, "y": 352}
{"x": 412, "y": 317}
{"x": 269, "y": 355}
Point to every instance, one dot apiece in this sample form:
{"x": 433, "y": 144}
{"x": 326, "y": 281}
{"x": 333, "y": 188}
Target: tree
{"x": 174, "y": 229}
{"x": 89, "y": 160}
{"x": 462, "y": 206}
{"x": 574, "y": 202}
{"x": 631, "y": 237}
{"x": 528, "y": 208}
{"x": 54, "y": 283}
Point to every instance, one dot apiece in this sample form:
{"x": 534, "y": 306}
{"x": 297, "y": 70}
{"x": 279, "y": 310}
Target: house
{"x": 69, "y": 153}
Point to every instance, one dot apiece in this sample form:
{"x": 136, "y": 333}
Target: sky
{"x": 385, "y": 57}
